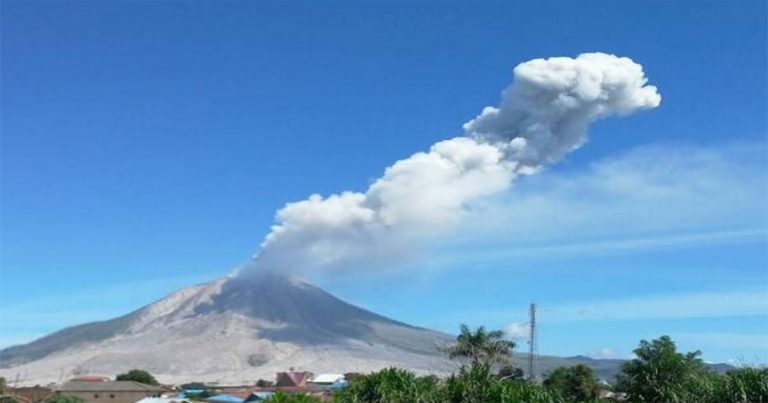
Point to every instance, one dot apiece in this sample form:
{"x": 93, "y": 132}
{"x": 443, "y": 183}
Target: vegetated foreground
{"x": 659, "y": 374}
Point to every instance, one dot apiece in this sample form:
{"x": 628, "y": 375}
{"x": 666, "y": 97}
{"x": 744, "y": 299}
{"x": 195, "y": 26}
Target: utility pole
{"x": 532, "y": 343}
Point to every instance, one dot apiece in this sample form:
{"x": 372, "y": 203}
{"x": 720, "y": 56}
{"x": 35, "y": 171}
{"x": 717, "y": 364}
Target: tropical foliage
{"x": 743, "y": 385}
{"x": 577, "y": 383}
{"x": 477, "y": 384}
{"x": 481, "y": 346}
{"x": 391, "y": 385}
{"x": 473, "y": 384}
{"x": 280, "y": 397}
{"x": 659, "y": 374}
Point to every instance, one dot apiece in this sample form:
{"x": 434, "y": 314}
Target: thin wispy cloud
{"x": 726, "y": 339}
{"x": 643, "y": 307}
{"x": 518, "y": 330}
{"x": 604, "y": 353}
{"x": 668, "y": 306}
{"x": 652, "y": 197}
{"x": 618, "y": 246}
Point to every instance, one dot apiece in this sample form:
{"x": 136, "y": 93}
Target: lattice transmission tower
{"x": 532, "y": 347}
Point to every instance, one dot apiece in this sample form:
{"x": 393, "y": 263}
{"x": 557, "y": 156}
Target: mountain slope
{"x": 231, "y": 330}
{"x": 236, "y": 330}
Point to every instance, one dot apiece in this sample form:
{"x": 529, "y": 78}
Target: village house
{"x": 293, "y": 378}
{"x": 109, "y": 391}
{"x": 286, "y": 382}
{"x": 329, "y": 381}
{"x": 30, "y": 394}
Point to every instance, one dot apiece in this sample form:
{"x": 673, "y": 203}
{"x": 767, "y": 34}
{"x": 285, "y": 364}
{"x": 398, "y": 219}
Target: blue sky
{"x": 146, "y": 147}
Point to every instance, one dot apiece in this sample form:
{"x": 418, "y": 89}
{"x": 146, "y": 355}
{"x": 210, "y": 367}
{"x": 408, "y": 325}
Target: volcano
{"x": 231, "y": 330}
{"x": 235, "y": 330}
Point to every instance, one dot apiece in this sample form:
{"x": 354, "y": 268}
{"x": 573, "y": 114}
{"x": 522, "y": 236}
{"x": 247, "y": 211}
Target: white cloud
{"x": 543, "y": 115}
{"x": 604, "y": 353}
{"x": 518, "y": 330}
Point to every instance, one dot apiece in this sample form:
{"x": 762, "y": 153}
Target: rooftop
{"x": 328, "y": 378}
{"x": 107, "y": 386}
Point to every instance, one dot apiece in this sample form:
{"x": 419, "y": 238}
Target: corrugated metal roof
{"x": 224, "y": 399}
{"x": 160, "y": 400}
{"x": 328, "y": 378}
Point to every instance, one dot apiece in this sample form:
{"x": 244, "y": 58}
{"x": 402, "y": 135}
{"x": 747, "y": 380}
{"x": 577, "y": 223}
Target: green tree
{"x": 352, "y": 376}
{"x": 391, "y": 385}
{"x": 472, "y": 384}
{"x": 660, "y": 373}
{"x": 481, "y": 346}
{"x": 3, "y": 397}
{"x": 262, "y": 383}
{"x": 57, "y": 398}
{"x": 138, "y": 375}
{"x": 577, "y": 383}
{"x": 476, "y": 384}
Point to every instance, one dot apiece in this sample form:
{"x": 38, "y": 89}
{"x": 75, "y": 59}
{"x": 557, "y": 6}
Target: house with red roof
{"x": 91, "y": 378}
{"x": 293, "y": 378}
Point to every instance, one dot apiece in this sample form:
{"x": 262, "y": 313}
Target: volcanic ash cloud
{"x": 543, "y": 115}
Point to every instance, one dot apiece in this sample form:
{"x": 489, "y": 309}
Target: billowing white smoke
{"x": 543, "y": 115}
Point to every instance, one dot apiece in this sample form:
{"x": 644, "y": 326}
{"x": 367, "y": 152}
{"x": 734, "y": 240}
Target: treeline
{"x": 659, "y": 374}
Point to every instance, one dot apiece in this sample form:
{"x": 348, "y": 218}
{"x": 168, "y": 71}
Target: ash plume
{"x": 543, "y": 115}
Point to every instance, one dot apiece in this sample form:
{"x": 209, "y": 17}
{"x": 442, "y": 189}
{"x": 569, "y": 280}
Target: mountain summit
{"x": 233, "y": 329}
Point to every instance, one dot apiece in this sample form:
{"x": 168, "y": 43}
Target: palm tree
{"x": 481, "y": 346}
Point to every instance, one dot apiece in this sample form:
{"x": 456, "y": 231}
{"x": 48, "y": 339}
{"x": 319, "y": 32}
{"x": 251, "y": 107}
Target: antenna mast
{"x": 532, "y": 343}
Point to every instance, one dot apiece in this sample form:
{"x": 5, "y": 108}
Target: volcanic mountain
{"x": 235, "y": 330}
{"x": 232, "y": 329}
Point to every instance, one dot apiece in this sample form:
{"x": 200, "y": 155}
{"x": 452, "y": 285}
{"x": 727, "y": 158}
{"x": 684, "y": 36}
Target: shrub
{"x": 138, "y": 375}
{"x": 743, "y": 385}
{"x": 577, "y": 383}
{"x": 281, "y": 397}
{"x": 391, "y": 385}
{"x": 476, "y": 384}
